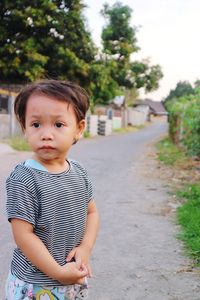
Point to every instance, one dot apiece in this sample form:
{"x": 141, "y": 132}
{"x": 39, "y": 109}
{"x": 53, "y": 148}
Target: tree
{"x": 44, "y": 38}
{"x": 183, "y": 88}
{"x": 146, "y": 76}
{"x": 102, "y": 86}
{"x": 119, "y": 43}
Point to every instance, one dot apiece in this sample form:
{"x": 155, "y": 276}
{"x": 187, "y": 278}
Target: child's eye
{"x": 36, "y": 124}
{"x": 59, "y": 125}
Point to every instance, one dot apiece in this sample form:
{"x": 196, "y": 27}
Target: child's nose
{"x": 46, "y": 134}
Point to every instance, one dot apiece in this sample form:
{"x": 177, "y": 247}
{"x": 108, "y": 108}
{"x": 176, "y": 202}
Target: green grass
{"x": 128, "y": 129}
{"x": 188, "y": 216}
{"x": 170, "y": 154}
{"x": 86, "y": 134}
{"x": 18, "y": 143}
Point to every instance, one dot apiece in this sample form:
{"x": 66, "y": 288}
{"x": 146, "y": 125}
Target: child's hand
{"x": 73, "y": 273}
{"x": 81, "y": 255}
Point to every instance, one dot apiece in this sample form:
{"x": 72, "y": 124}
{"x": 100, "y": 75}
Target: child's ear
{"x": 81, "y": 127}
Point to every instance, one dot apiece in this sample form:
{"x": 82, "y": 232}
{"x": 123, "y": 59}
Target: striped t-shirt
{"x": 56, "y": 205}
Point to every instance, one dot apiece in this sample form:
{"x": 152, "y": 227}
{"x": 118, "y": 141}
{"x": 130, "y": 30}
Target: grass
{"x": 170, "y": 154}
{"x": 18, "y": 143}
{"x": 188, "y": 214}
{"x": 86, "y": 134}
{"x": 128, "y": 129}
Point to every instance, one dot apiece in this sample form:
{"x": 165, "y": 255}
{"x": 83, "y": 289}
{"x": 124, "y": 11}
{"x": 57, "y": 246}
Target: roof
{"x": 156, "y": 107}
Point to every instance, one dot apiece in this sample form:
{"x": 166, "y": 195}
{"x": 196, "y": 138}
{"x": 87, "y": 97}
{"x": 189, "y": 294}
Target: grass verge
{"x": 18, "y": 143}
{"x": 128, "y": 129}
{"x": 170, "y": 154}
{"x": 188, "y": 214}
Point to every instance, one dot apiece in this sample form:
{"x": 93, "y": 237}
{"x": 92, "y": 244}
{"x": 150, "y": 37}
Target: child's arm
{"x": 83, "y": 251}
{"x": 36, "y": 252}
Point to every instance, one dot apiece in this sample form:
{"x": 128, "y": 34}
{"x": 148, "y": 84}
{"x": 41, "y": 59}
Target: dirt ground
{"x": 173, "y": 177}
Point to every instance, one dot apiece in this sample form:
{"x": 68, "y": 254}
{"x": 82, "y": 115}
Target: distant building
{"x": 156, "y": 108}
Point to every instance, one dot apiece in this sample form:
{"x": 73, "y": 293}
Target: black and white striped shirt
{"x": 56, "y": 205}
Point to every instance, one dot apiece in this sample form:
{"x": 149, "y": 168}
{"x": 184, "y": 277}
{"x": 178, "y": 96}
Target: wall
{"x": 4, "y": 125}
{"x": 138, "y": 116}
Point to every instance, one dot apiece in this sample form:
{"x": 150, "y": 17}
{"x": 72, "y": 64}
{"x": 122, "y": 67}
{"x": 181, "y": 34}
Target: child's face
{"x": 51, "y": 127}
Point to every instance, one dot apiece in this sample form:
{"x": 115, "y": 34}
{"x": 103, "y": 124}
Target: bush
{"x": 184, "y": 123}
{"x": 192, "y": 128}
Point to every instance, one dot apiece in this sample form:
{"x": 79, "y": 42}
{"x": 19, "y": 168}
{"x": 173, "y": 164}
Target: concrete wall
{"x": 101, "y": 125}
{"x": 116, "y": 122}
{"x": 8, "y": 123}
{"x": 8, "y": 127}
{"x": 92, "y": 124}
{"x": 138, "y": 116}
{"x": 4, "y": 125}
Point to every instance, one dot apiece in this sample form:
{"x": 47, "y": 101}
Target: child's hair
{"x": 57, "y": 89}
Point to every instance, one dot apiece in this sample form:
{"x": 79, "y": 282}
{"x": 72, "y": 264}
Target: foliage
{"x": 50, "y": 39}
{"x": 170, "y": 154}
{"x": 183, "y": 88}
{"x": 189, "y": 218}
{"x": 102, "y": 86}
{"x": 44, "y": 38}
{"x": 191, "y": 125}
{"x": 119, "y": 43}
{"x": 86, "y": 134}
{"x": 18, "y": 143}
{"x": 118, "y": 36}
{"x": 184, "y": 122}
{"x": 146, "y": 76}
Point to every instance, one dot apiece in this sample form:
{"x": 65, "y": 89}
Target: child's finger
{"x": 78, "y": 262}
{"x": 84, "y": 268}
{"x": 71, "y": 255}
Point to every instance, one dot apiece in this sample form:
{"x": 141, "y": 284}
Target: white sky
{"x": 169, "y": 34}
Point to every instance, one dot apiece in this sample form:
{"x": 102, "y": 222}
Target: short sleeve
{"x": 21, "y": 203}
{"x": 90, "y": 189}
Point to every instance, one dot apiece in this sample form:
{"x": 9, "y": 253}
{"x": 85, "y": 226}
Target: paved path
{"x": 137, "y": 256}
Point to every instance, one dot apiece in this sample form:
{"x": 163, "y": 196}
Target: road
{"x": 137, "y": 255}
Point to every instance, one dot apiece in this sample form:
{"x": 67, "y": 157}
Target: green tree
{"x": 146, "y": 76}
{"x": 119, "y": 41}
{"x": 44, "y": 38}
{"x": 102, "y": 86}
{"x": 183, "y": 88}
{"x": 197, "y": 83}
{"x": 119, "y": 44}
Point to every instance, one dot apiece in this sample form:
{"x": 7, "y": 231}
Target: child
{"x": 49, "y": 198}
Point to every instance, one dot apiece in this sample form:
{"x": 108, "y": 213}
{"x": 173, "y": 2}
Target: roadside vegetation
{"x": 170, "y": 154}
{"x": 188, "y": 214}
{"x": 18, "y": 143}
{"x": 181, "y": 152}
{"x": 128, "y": 129}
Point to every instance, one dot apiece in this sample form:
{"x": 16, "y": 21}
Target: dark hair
{"x": 60, "y": 90}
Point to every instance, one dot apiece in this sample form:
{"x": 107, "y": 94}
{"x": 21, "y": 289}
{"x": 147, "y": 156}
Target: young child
{"x": 49, "y": 198}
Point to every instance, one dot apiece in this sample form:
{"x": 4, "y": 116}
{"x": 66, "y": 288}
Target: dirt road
{"x": 137, "y": 255}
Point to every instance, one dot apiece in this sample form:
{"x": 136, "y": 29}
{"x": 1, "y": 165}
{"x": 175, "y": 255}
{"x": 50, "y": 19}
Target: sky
{"x": 168, "y": 34}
